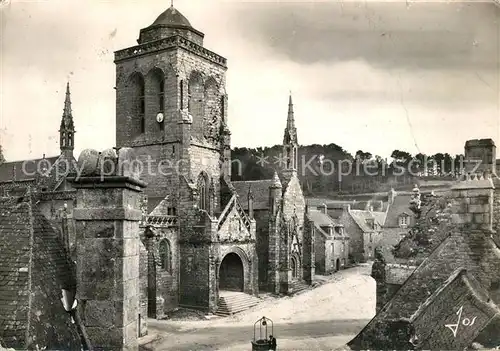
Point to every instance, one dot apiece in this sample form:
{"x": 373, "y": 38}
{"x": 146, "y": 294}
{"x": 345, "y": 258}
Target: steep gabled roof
{"x": 360, "y": 217}
{"x": 400, "y": 205}
{"x": 260, "y": 192}
{"x": 321, "y": 219}
{"x": 24, "y": 169}
{"x": 434, "y": 274}
{"x": 15, "y": 248}
{"x": 33, "y": 259}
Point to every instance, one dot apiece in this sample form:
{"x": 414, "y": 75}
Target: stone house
{"x": 399, "y": 218}
{"x": 365, "y": 232}
{"x": 331, "y": 242}
{"x": 446, "y": 266}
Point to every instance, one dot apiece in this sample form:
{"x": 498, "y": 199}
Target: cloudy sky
{"x": 365, "y": 75}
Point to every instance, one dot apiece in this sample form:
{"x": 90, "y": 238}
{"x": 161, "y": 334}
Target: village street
{"x": 323, "y": 318}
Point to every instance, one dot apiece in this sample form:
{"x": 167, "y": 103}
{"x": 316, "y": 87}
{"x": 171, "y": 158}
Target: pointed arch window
{"x": 138, "y": 107}
{"x": 161, "y": 95}
{"x": 196, "y": 100}
{"x": 142, "y": 105}
{"x": 203, "y": 192}
{"x": 165, "y": 256}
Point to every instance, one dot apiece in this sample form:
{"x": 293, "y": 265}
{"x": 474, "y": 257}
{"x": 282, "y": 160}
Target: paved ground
{"x": 321, "y": 319}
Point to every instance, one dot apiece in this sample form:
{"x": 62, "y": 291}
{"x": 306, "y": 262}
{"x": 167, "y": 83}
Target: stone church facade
{"x": 202, "y": 235}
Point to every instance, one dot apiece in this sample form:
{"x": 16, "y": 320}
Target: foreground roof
{"x": 33, "y": 260}
{"x": 259, "y": 189}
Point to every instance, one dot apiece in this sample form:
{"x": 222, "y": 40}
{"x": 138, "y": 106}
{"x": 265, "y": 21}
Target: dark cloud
{"x": 422, "y": 35}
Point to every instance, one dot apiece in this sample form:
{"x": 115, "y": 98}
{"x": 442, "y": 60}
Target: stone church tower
{"x": 171, "y": 108}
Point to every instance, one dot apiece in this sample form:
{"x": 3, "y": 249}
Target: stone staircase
{"x": 297, "y": 286}
{"x": 234, "y": 302}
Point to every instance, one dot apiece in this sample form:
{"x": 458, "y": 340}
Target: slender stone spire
{"x": 290, "y": 122}
{"x": 290, "y": 137}
{"x": 290, "y": 142}
{"x": 67, "y": 129}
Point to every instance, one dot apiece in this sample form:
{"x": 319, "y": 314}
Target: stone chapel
{"x": 200, "y": 231}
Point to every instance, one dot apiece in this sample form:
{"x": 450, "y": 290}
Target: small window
{"x": 403, "y": 220}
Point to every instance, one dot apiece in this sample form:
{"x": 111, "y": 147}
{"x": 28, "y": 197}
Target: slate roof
{"x": 154, "y": 202}
{"x": 360, "y": 218}
{"x": 400, "y": 205}
{"x": 31, "y": 253}
{"x": 15, "y": 234}
{"x": 435, "y": 273}
{"x": 260, "y": 192}
{"x": 321, "y": 219}
{"x": 8, "y": 169}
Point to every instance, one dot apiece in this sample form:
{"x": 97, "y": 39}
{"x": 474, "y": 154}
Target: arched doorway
{"x": 294, "y": 267}
{"x": 338, "y": 265}
{"x": 231, "y": 275}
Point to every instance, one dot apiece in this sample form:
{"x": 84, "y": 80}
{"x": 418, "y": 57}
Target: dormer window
{"x": 371, "y": 223}
{"x": 404, "y": 220}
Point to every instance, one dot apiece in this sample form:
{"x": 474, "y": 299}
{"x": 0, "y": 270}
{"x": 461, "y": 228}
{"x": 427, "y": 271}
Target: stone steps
{"x": 235, "y": 303}
{"x": 297, "y": 286}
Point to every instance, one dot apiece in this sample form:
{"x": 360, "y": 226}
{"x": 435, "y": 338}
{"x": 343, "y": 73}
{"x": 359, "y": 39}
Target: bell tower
{"x": 171, "y": 105}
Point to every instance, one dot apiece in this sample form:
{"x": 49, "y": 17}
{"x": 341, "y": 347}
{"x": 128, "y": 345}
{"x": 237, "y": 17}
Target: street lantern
{"x": 261, "y": 343}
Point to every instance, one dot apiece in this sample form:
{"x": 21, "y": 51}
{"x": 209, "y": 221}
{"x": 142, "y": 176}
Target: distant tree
{"x": 2, "y": 158}
{"x": 401, "y": 160}
{"x": 363, "y": 156}
{"x": 419, "y": 163}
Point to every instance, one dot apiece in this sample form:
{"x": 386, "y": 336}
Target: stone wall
{"x": 262, "y": 241}
{"x": 356, "y": 243}
{"x": 163, "y": 283}
{"x": 320, "y": 248}
{"x": 340, "y": 252}
{"x": 143, "y": 290}
{"x": 194, "y": 275}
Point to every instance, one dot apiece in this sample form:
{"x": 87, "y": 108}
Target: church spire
{"x": 67, "y": 129}
{"x": 290, "y": 143}
{"x": 290, "y": 122}
{"x": 67, "y": 104}
{"x": 290, "y": 137}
